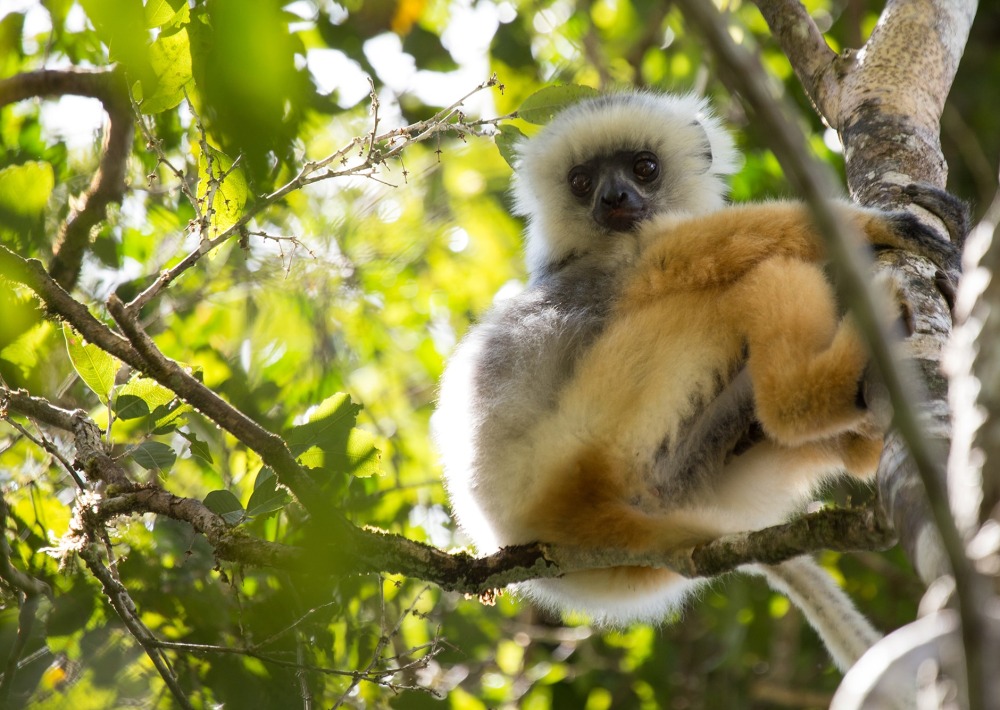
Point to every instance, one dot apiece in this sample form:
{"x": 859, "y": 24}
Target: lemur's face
{"x": 619, "y": 189}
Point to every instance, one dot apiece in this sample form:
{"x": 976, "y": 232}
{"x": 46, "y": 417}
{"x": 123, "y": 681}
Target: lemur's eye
{"x": 646, "y": 167}
{"x": 580, "y": 182}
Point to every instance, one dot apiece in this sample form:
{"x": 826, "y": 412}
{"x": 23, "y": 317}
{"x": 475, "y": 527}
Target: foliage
{"x": 301, "y": 289}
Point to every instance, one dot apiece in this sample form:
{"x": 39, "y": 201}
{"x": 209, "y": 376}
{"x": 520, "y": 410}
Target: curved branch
{"x": 816, "y": 65}
{"x": 108, "y": 183}
{"x": 123, "y": 605}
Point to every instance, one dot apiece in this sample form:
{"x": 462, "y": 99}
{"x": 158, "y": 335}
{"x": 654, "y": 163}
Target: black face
{"x": 619, "y": 188}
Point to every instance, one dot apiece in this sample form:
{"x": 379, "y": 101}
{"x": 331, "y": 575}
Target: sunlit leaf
{"x": 199, "y": 448}
{"x": 332, "y": 420}
{"x": 140, "y": 396}
{"x": 266, "y": 497}
{"x": 170, "y": 59}
{"x": 95, "y": 367}
{"x": 329, "y": 441}
{"x": 541, "y": 106}
{"x": 158, "y": 12}
{"x": 29, "y": 348}
{"x": 361, "y": 457}
{"x": 25, "y": 188}
{"x": 228, "y": 186}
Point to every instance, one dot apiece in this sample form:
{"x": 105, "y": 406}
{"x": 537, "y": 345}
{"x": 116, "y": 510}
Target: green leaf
{"x": 128, "y": 406}
{"x": 266, "y": 497}
{"x": 199, "y": 448}
{"x": 158, "y": 12}
{"x": 170, "y": 58}
{"x": 541, "y": 106}
{"x": 507, "y": 140}
{"x": 25, "y": 188}
{"x": 95, "y": 367}
{"x": 140, "y": 396}
{"x": 331, "y": 443}
{"x": 227, "y": 505}
{"x": 121, "y": 25}
{"x": 154, "y": 456}
{"x": 331, "y": 420}
{"x": 30, "y": 348}
{"x": 231, "y": 190}
{"x": 361, "y": 457}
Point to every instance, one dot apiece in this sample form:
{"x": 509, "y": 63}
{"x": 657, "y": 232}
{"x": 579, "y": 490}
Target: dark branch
{"x": 357, "y": 551}
{"x": 108, "y": 184}
{"x": 123, "y": 605}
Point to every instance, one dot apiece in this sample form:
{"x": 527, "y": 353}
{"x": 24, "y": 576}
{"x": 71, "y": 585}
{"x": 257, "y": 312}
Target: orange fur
{"x": 760, "y": 265}
{"x": 591, "y": 505}
{"x": 701, "y": 291}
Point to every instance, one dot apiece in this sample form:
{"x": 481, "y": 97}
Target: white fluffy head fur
{"x": 695, "y": 152}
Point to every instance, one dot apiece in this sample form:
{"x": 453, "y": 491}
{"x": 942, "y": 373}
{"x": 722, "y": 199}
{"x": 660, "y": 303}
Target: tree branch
{"x": 141, "y": 353}
{"x": 108, "y": 183}
{"x": 123, "y": 605}
{"x": 380, "y": 149}
{"x": 816, "y": 65}
{"x": 370, "y": 551}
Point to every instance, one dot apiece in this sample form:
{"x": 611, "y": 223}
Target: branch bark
{"x": 141, "y": 353}
{"x": 108, "y": 184}
{"x": 366, "y": 551}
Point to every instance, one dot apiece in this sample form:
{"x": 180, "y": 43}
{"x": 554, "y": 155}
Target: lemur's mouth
{"x": 622, "y": 219}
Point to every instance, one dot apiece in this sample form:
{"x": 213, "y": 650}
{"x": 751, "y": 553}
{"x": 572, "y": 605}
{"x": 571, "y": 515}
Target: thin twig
{"x": 314, "y": 171}
{"x": 123, "y": 605}
{"x": 44, "y": 443}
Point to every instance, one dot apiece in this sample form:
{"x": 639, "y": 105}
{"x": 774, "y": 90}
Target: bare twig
{"x": 384, "y": 639}
{"x": 44, "y": 443}
{"x": 393, "y": 142}
{"x": 156, "y": 145}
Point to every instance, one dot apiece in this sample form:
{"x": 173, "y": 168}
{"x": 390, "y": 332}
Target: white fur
{"x": 678, "y": 128}
{"x": 845, "y": 631}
